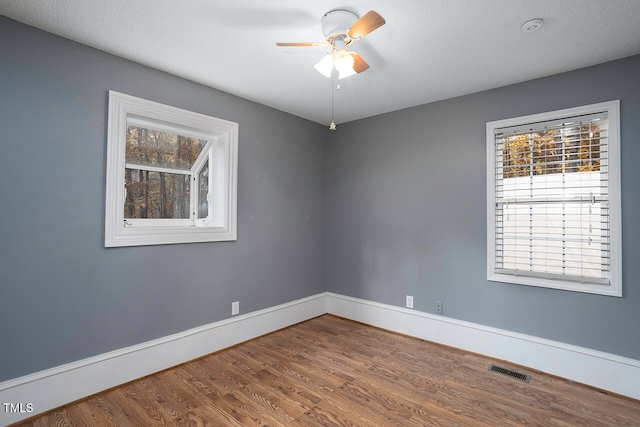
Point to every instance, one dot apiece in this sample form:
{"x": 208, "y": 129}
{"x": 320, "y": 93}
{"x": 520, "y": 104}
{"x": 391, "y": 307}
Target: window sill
{"x": 608, "y": 290}
{"x": 164, "y": 235}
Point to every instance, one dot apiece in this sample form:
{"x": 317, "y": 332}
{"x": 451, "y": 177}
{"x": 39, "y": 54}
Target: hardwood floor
{"x": 335, "y": 372}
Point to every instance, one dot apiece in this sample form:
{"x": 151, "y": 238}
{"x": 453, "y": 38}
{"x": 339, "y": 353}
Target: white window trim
{"x": 614, "y": 288}
{"x": 223, "y": 166}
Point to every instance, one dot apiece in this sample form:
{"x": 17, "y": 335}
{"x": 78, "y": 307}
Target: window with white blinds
{"x": 554, "y": 205}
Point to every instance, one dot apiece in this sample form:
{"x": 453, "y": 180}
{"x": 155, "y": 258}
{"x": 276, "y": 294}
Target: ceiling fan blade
{"x": 366, "y": 24}
{"x": 300, "y": 44}
{"x": 359, "y": 64}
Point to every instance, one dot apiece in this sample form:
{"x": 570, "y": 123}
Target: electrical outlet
{"x": 439, "y": 307}
{"x": 235, "y": 308}
{"x": 409, "y": 301}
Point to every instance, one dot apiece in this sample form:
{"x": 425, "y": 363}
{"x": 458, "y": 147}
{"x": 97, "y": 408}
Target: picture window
{"x": 171, "y": 175}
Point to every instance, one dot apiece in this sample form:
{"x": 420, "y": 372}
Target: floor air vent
{"x": 510, "y": 373}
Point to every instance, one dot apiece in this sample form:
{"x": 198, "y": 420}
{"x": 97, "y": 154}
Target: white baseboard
{"x": 605, "y": 371}
{"x": 58, "y": 386}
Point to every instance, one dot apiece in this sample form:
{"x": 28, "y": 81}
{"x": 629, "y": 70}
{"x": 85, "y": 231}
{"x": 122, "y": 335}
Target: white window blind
{"x": 552, "y": 200}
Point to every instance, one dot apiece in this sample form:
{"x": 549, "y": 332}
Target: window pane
{"x": 583, "y": 148}
{"x": 516, "y": 156}
{"x": 568, "y": 150}
{"x": 164, "y": 149}
{"x": 156, "y": 195}
{"x": 565, "y": 238}
{"x": 547, "y": 152}
{"x": 203, "y": 188}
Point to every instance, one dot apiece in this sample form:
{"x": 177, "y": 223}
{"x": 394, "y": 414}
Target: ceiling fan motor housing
{"x": 337, "y": 22}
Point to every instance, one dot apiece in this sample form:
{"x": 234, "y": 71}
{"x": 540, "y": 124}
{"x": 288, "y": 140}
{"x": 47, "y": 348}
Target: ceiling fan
{"x": 341, "y": 28}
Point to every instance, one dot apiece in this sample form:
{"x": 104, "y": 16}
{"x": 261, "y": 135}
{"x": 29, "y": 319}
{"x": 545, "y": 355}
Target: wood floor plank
{"x": 132, "y": 395}
{"x": 393, "y": 408}
{"x": 299, "y": 400}
{"x": 96, "y": 414}
{"x": 228, "y": 409}
{"x": 253, "y": 413}
{"x": 330, "y": 371}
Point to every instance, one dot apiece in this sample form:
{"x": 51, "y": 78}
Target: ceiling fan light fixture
{"x": 325, "y": 66}
{"x": 341, "y": 28}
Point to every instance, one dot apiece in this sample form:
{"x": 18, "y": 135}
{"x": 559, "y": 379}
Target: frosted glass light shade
{"x": 344, "y": 64}
{"x": 343, "y": 61}
{"x": 325, "y": 65}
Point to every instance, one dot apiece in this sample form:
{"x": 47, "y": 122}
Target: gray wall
{"x": 64, "y": 296}
{"x": 407, "y": 211}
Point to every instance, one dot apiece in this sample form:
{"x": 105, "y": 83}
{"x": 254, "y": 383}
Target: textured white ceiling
{"x": 428, "y": 50}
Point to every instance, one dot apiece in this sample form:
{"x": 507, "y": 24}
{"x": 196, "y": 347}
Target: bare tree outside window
{"x": 154, "y": 192}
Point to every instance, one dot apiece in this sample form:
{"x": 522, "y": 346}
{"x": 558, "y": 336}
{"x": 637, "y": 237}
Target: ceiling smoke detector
{"x": 532, "y": 25}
